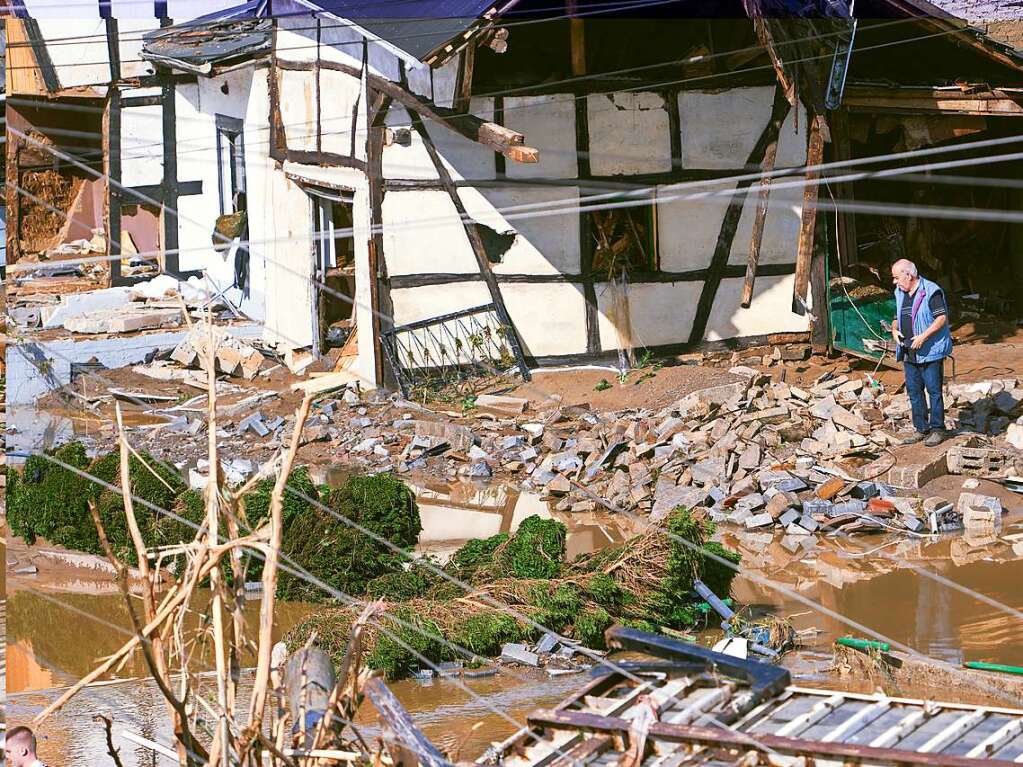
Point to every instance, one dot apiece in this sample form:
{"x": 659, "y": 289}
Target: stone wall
{"x": 1001, "y": 19}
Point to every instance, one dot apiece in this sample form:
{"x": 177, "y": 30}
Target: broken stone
{"x": 830, "y": 489}
{"x": 480, "y": 470}
{"x": 459, "y": 438}
{"x": 915, "y": 476}
{"x": 759, "y": 520}
{"x": 253, "y": 423}
{"x": 502, "y": 404}
{"x": 519, "y": 653}
{"x": 788, "y": 518}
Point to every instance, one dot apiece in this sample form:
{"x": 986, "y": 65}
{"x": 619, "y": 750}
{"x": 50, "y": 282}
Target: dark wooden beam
{"x": 994, "y": 103}
{"x": 808, "y": 218}
{"x": 42, "y": 55}
{"x": 409, "y": 746}
{"x": 848, "y": 250}
{"x": 820, "y": 325}
{"x": 729, "y": 226}
{"x": 476, "y": 241}
{"x": 171, "y": 263}
{"x": 463, "y": 84}
{"x": 113, "y": 45}
{"x": 112, "y": 204}
{"x": 423, "y": 279}
{"x": 380, "y": 295}
{"x": 782, "y": 105}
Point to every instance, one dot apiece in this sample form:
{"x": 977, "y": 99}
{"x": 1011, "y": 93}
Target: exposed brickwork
{"x": 1001, "y": 19}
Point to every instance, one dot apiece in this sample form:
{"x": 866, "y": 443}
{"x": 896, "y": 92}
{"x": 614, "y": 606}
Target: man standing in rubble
{"x": 922, "y": 341}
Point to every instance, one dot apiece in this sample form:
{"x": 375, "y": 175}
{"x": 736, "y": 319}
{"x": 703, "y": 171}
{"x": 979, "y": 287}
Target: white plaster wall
{"x": 658, "y": 313}
{"x": 130, "y": 44}
{"x": 550, "y": 318}
{"x": 298, "y": 109}
{"x": 628, "y": 133}
{"x": 688, "y": 226}
{"x": 547, "y": 242}
{"x": 78, "y": 62}
{"x": 720, "y": 128}
{"x": 770, "y": 311}
{"x": 341, "y": 96}
{"x": 414, "y": 304}
{"x": 227, "y": 94}
{"x": 548, "y": 123}
{"x": 141, "y": 145}
{"x": 197, "y": 161}
{"x": 423, "y": 233}
{"x": 356, "y": 181}
{"x": 286, "y": 231}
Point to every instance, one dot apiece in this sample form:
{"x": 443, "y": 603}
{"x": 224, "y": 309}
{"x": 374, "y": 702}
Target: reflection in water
{"x": 885, "y": 593}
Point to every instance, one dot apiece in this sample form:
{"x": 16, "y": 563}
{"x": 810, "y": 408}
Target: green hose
{"x": 982, "y": 666}
{"x": 862, "y": 644}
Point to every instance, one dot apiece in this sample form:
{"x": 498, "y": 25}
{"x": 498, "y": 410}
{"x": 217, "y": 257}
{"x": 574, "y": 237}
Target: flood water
{"x": 869, "y": 579}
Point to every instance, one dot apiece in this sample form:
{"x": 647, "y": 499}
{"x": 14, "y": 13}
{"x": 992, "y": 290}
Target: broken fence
{"x": 451, "y": 348}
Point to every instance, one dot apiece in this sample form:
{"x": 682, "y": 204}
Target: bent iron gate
{"x": 451, "y": 348}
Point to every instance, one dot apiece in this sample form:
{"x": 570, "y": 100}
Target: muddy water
{"x": 868, "y": 579}
{"x": 887, "y": 591}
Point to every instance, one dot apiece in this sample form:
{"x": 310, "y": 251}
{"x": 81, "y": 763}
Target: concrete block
{"x": 254, "y": 423}
{"x": 808, "y": 523}
{"x": 519, "y": 653}
{"x": 914, "y": 476}
{"x": 789, "y": 517}
{"x": 759, "y": 520}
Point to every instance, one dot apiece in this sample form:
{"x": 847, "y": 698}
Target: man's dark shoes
{"x": 935, "y": 438}
{"x": 918, "y": 436}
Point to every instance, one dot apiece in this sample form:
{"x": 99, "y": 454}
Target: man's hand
{"x": 896, "y": 334}
{"x": 917, "y": 342}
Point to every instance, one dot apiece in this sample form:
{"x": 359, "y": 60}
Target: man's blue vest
{"x": 938, "y": 345}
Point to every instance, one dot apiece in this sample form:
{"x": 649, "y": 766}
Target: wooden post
{"x": 781, "y": 108}
{"x": 846, "y": 236}
{"x": 476, "y": 242}
{"x": 808, "y": 221}
{"x": 463, "y": 90}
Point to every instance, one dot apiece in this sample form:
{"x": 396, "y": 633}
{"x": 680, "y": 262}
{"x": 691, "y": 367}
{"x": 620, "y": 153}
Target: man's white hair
{"x": 907, "y": 266}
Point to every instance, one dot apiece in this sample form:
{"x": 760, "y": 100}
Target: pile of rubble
{"x": 555, "y": 655}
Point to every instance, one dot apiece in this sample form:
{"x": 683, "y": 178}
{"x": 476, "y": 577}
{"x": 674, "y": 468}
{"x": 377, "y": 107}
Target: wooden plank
{"x": 901, "y": 729}
{"x": 862, "y": 718}
{"x": 913, "y": 100}
{"x": 169, "y": 216}
{"x": 325, "y": 383}
{"x": 718, "y": 737}
{"x": 848, "y": 250}
{"x": 820, "y": 709}
{"x": 996, "y": 740}
{"x": 962, "y": 725}
{"x": 808, "y": 218}
{"x": 766, "y": 168}
{"x": 463, "y": 88}
{"x": 394, "y": 715}
{"x": 580, "y": 753}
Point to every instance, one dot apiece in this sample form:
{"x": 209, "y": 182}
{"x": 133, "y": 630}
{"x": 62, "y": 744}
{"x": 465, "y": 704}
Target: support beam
{"x": 504, "y": 140}
{"x": 729, "y": 226}
{"x": 478, "y": 249}
{"x": 848, "y": 248}
{"x": 463, "y": 88}
{"x": 170, "y": 179}
{"x": 112, "y": 169}
{"x": 378, "y": 105}
{"x": 808, "y": 220}
{"x": 994, "y": 103}
{"x": 782, "y": 106}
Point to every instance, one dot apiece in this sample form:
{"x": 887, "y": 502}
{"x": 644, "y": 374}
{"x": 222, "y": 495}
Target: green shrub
{"x": 717, "y": 576}
{"x": 160, "y": 489}
{"x": 590, "y": 626}
{"x": 399, "y": 586}
{"x": 537, "y": 549}
{"x": 341, "y": 556}
{"x": 556, "y": 608}
{"x": 607, "y": 593}
{"x": 475, "y": 555}
{"x": 403, "y": 639}
{"x": 49, "y": 501}
{"x": 485, "y": 633}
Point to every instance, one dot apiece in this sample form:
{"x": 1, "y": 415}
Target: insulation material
{"x": 142, "y": 145}
{"x": 720, "y": 128}
{"x": 423, "y": 233}
{"x": 39, "y": 227}
{"x": 548, "y": 123}
{"x": 298, "y": 109}
{"x": 444, "y": 80}
{"x": 547, "y": 243}
{"x": 659, "y": 313}
{"x": 770, "y": 312}
{"x": 629, "y": 133}
{"x": 85, "y": 63}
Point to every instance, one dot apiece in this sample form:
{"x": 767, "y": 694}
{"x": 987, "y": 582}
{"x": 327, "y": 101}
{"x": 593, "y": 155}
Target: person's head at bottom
{"x": 20, "y": 747}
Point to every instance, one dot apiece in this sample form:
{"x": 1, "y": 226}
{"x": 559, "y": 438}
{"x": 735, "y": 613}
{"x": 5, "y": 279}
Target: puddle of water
{"x": 884, "y": 592}
{"x": 56, "y": 640}
{"x": 454, "y": 513}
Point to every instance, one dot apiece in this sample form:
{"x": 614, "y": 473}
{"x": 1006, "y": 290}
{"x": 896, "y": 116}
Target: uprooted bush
{"x": 334, "y": 545}
{"x": 51, "y": 501}
{"x": 647, "y": 583}
{"x": 536, "y": 550}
